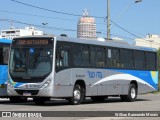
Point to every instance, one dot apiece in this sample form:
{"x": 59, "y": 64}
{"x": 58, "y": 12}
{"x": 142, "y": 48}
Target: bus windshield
{"x": 30, "y": 61}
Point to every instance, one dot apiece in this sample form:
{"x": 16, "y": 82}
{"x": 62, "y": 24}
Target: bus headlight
{"x": 9, "y": 84}
{"x": 46, "y": 84}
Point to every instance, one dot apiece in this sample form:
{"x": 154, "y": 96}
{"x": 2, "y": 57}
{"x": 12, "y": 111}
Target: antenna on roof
{"x": 11, "y": 23}
{"x": 86, "y": 12}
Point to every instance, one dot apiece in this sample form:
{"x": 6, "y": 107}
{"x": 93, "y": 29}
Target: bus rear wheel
{"x": 132, "y": 94}
{"x": 78, "y": 95}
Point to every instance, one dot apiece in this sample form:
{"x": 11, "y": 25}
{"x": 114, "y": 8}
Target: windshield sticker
{"x": 31, "y": 50}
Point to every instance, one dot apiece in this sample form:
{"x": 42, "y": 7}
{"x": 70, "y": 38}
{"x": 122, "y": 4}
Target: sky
{"x": 135, "y": 19}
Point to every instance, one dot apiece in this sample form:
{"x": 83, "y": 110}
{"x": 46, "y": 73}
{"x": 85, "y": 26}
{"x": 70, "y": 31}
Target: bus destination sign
{"x": 32, "y": 42}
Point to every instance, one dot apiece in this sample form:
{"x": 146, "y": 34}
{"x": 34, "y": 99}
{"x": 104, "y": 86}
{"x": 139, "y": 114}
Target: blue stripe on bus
{"x": 5, "y": 41}
{"x": 16, "y": 84}
{"x": 151, "y": 77}
{"x": 3, "y": 74}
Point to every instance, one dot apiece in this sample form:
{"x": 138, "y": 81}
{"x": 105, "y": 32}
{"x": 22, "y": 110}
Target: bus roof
{"x": 5, "y": 41}
{"x": 109, "y": 43}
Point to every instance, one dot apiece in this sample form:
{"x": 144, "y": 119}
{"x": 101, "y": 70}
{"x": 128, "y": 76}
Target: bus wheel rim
{"x": 77, "y": 95}
{"x": 133, "y": 93}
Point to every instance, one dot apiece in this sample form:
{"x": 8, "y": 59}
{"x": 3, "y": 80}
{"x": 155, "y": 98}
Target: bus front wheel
{"x": 77, "y": 96}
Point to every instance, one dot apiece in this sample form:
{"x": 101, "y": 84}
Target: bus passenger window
{"x": 126, "y": 58}
{"x": 101, "y": 57}
{"x": 81, "y": 55}
{"x": 93, "y": 57}
{"x": 1, "y": 56}
{"x": 151, "y": 61}
{"x": 62, "y": 59}
{"x": 113, "y": 59}
{"x": 139, "y": 60}
{"x": 5, "y": 55}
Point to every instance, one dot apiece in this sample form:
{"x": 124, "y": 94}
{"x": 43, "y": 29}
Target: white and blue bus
{"x": 44, "y": 67}
{"x": 4, "y": 55}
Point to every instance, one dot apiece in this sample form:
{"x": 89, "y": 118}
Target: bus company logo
{"x": 6, "y": 114}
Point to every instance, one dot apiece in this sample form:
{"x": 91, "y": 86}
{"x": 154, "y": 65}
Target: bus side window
{"x": 101, "y": 57}
{"x": 139, "y": 59}
{"x": 93, "y": 56}
{"x": 5, "y": 55}
{"x": 1, "y": 56}
{"x": 113, "y": 58}
{"x": 62, "y": 59}
{"x": 126, "y": 58}
{"x": 151, "y": 61}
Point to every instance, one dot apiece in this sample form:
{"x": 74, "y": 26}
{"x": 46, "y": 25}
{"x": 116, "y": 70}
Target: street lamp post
{"x": 108, "y": 19}
{"x": 126, "y": 8}
{"x": 44, "y": 24}
{"x": 137, "y": 1}
{"x": 108, "y": 16}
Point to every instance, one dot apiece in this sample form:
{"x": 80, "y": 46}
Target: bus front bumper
{"x": 45, "y": 92}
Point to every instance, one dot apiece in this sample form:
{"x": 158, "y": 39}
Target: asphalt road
{"x": 147, "y": 102}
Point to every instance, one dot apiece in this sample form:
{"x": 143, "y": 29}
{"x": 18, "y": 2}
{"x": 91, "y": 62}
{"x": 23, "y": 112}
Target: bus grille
{"x": 33, "y": 92}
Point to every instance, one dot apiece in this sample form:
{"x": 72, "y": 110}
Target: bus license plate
{"x": 26, "y": 94}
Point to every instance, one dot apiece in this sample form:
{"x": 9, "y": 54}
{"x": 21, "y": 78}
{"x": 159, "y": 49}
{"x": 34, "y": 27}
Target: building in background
{"x": 86, "y": 27}
{"x": 11, "y": 33}
{"x": 152, "y": 41}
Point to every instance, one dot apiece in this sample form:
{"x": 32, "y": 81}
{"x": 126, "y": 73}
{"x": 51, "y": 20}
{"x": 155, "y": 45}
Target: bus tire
{"x": 132, "y": 94}
{"x": 16, "y": 99}
{"x": 40, "y": 100}
{"x": 98, "y": 98}
{"x": 77, "y": 96}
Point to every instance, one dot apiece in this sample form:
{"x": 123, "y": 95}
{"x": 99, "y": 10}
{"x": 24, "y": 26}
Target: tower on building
{"x": 86, "y": 27}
